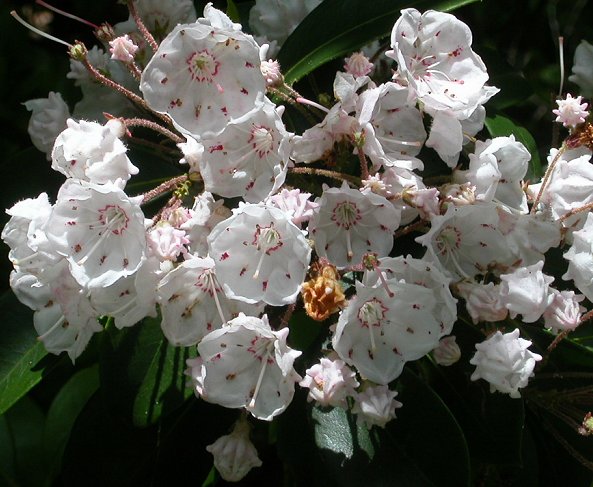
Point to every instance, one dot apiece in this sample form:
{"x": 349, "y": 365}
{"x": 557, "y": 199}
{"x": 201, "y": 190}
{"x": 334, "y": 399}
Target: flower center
{"x": 346, "y": 214}
{"x": 448, "y": 240}
{"x": 114, "y": 218}
{"x": 202, "y": 66}
{"x": 371, "y": 313}
{"x": 261, "y": 140}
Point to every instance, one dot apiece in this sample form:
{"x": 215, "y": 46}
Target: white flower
{"x": 393, "y": 128}
{"x": 276, "y": 20}
{"x": 48, "y": 119}
{"x": 204, "y": 215}
{"x": 571, "y": 112}
{"x": 192, "y": 153}
{"x": 260, "y": 255}
{"x": 246, "y": 364}
{"x": 129, "y": 299}
{"x": 435, "y": 59}
{"x": 434, "y": 56}
{"x": 582, "y": 68}
{"x": 93, "y": 152}
{"x": 193, "y": 304}
{"x": 505, "y": 362}
{"x": 580, "y": 259}
{"x": 496, "y": 169}
{"x": 570, "y": 185}
{"x": 30, "y": 251}
{"x": 350, "y": 223}
{"x": 67, "y": 320}
{"x": 422, "y": 273}
{"x": 482, "y": 301}
{"x": 466, "y": 240}
{"x": 378, "y": 332}
{"x": 234, "y": 454}
{"x": 564, "y": 312}
{"x": 330, "y": 382}
{"x": 249, "y": 157}
{"x": 99, "y": 229}
{"x": 376, "y": 405}
{"x": 204, "y": 75}
{"x": 525, "y": 291}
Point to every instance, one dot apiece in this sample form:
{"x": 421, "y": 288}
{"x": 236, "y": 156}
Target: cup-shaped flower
{"x": 260, "y": 255}
{"x": 193, "y": 303}
{"x": 99, "y": 229}
{"x": 245, "y": 364}
{"x": 92, "y": 152}
{"x": 379, "y": 332}
{"x": 204, "y": 75}
{"x": 249, "y": 158}
{"x": 349, "y": 224}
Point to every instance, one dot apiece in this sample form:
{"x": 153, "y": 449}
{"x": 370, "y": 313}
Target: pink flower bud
{"x": 123, "y": 49}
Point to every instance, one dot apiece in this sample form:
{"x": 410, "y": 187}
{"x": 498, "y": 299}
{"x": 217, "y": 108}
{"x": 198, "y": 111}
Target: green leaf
{"x": 493, "y": 423}
{"x": 408, "y": 452}
{"x": 232, "y": 11}
{"x": 316, "y": 40}
{"x": 24, "y": 423}
{"x": 64, "y": 410}
{"x": 164, "y": 386}
{"x": 141, "y": 374}
{"x": 23, "y": 361}
{"x": 499, "y": 126}
{"x": 336, "y": 430}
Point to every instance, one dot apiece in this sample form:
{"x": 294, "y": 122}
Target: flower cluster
{"x": 239, "y": 248}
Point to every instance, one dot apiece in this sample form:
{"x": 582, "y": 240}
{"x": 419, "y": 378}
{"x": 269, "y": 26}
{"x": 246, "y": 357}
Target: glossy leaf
{"x": 316, "y": 40}
{"x": 499, "y": 126}
{"x": 24, "y": 423}
{"x": 409, "y": 451}
{"x": 64, "y": 410}
{"x": 164, "y": 386}
{"x": 22, "y": 363}
{"x": 493, "y": 423}
{"x": 141, "y": 374}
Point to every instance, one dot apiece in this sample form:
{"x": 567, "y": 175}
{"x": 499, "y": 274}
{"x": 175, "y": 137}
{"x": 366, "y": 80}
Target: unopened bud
{"x": 78, "y": 51}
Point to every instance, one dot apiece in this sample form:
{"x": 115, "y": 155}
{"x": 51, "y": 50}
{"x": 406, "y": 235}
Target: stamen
{"x": 65, "y": 14}
{"x": 38, "y": 31}
{"x": 390, "y": 293}
{"x": 57, "y": 324}
{"x": 561, "y": 49}
{"x": 305, "y": 101}
{"x": 259, "y": 379}
{"x": 211, "y": 280}
{"x": 350, "y": 253}
{"x": 261, "y": 259}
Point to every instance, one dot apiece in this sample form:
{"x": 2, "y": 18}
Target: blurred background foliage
{"x": 518, "y": 41}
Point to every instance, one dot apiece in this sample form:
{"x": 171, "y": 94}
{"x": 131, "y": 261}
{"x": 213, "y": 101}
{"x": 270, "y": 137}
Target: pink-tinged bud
{"x": 358, "y": 65}
{"x": 123, "y": 49}
{"x": 271, "y": 71}
{"x": 447, "y": 352}
{"x": 571, "y": 112}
